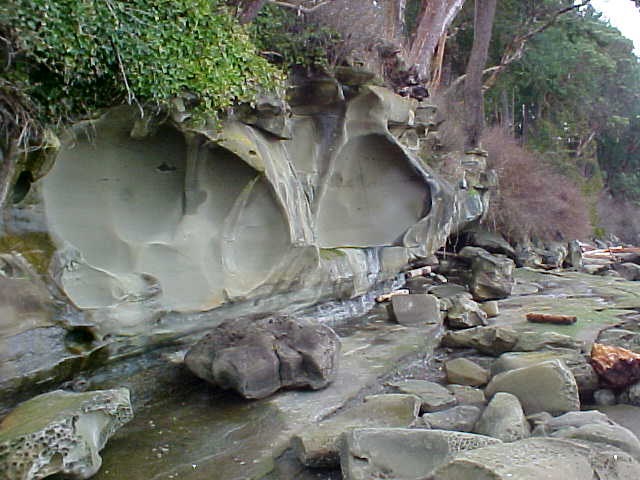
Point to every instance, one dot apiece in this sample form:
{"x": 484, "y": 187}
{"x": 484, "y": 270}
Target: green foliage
{"x": 76, "y": 56}
{"x": 296, "y": 40}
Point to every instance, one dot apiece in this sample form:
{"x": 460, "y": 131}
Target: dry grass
{"x": 620, "y": 218}
{"x": 533, "y": 202}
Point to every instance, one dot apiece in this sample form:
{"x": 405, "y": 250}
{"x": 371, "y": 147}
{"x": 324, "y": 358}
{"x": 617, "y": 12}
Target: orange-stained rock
{"x": 617, "y": 366}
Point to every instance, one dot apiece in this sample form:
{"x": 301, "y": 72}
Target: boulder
{"x": 415, "y": 310}
{"x": 258, "y": 357}
{"x": 585, "y": 375}
{"x": 553, "y": 254}
{"x": 433, "y": 396}
{"x": 463, "y": 371}
{"x": 61, "y": 433}
{"x": 488, "y": 340}
{"x": 317, "y": 446}
{"x": 544, "y": 387}
{"x": 402, "y": 454}
{"x": 628, "y": 271}
{"x": 633, "y": 394}
{"x": 465, "y": 313}
{"x": 491, "y": 275}
{"x": 466, "y": 395}
{"x": 616, "y": 366}
{"x": 461, "y": 418}
{"x": 503, "y": 419}
{"x": 540, "y": 458}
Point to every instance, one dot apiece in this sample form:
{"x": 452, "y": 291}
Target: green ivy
{"x": 79, "y": 55}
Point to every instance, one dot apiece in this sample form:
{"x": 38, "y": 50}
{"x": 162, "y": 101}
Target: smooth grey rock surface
{"x": 492, "y": 242}
{"x": 545, "y": 424}
{"x": 61, "y": 433}
{"x": 415, "y": 309}
{"x": 461, "y": 418}
{"x": 627, "y": 270}
{"x": 491, "y": 308}
{"x": 545, "y": 387}
{"x": 317, "y": 446}
{"x": 613, "y": 435}
{"x": 466, "y": 395}
{"x": 402, "y": 454}
{"x": 503, "y": 419}
{"x": 433, "y": 396}
{"x": 258, "y": 357}
{"x": 578, "y": 363}
{"x": 540, "y": 458}
{"x": 463, "y": 371}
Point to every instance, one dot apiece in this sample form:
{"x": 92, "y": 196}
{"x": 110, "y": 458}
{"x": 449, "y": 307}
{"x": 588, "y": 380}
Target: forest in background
{"x": 561, "y": 87}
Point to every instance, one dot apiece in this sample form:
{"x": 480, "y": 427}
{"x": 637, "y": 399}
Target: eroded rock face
{"x": 258, "y": 358}
{"x": 159, "y": 229}
{"x": 61, "y": 432}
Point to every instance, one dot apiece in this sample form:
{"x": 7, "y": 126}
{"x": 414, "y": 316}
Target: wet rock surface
{"x": 318, "y": 445}
{"x": 432, "y": 396}
{"x": 503, "y": 419}
{"x": 61, "y": 433}
{"x": 258, "y": 358}
{"x": 402, "y": 454}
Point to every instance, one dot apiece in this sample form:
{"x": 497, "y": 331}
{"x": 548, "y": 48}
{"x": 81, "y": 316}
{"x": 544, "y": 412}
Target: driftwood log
{"x": 551, "y": 318}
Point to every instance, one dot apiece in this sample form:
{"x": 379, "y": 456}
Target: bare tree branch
{"x": 298, "y": 7}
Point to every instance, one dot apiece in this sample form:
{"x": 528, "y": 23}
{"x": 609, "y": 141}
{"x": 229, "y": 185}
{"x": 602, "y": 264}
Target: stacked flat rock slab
{"x": 61, "y": 433}
{"x": 504, "y": 419}
{"x": 464, "y": 312}
{"x": 402, "y": 454}
{"x": 256, "y": 358}
{"x": 317, "y": 446}
{"x": 415, "y": 310}
{"x": 463, "y": 371}
{"x": 540, "y": 458}
{"x": 433, "y": 396}
{"x": 544, "y": 387}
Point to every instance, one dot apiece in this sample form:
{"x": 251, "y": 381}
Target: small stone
{"x": 415, "y": 310}
{"x": 491, "y": 308}
{"x": 488, "y": 340}
{"x": 461, "y": 418}
{"x": 418, "y": 285}
{"x": 466, "y": 395}
{"x": 545, "y": 387}
{"x": 604, "y": 396}
{"x": 503, "y": 419}
{"x": 464, "y": 312}
{"x": 433, "y": 396}
{"x": 465, "y": 372}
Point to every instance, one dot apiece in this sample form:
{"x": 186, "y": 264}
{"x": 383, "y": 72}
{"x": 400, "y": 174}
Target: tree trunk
{"x": 394, "y": 21}
{"x": 434, "y": 19}
{"x": 473, "y": 94}
{"x": 250, "y": 9}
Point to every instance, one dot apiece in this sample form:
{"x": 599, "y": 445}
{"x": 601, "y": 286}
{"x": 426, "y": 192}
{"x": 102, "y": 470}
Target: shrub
{"x": 74, "y": 56}
{"x": 619, "y": 217}
{"x": 533, "y": 201}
